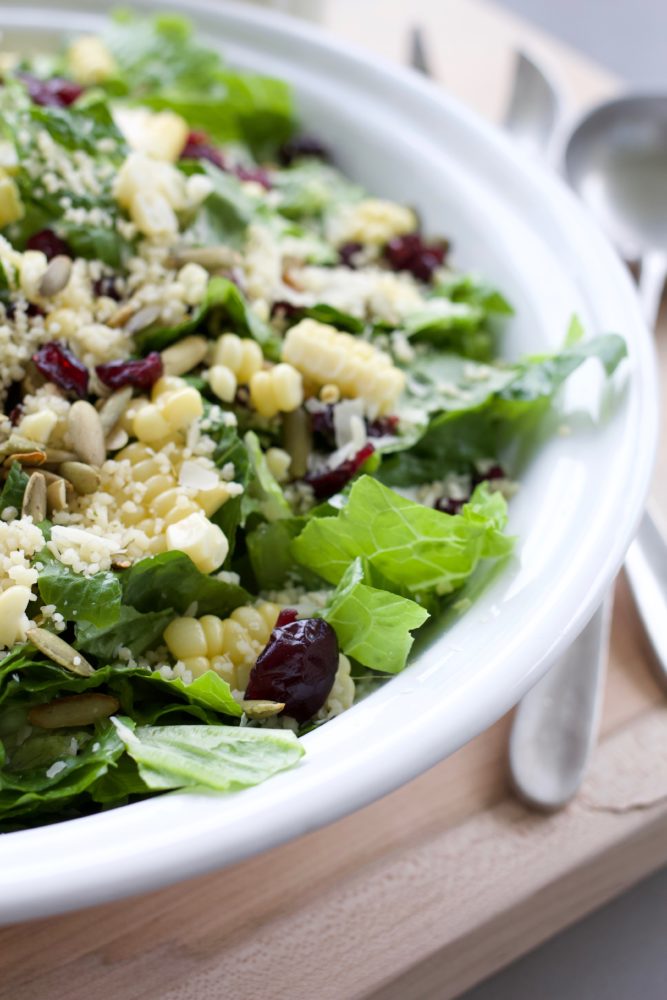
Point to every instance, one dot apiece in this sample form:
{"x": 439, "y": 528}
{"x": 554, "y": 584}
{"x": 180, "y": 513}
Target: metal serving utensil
{"x": 556, "y": 724}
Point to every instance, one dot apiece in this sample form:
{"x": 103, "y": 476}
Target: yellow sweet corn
{"x": 325, "y": 356}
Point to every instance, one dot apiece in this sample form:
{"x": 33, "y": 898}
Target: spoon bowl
{"x": 616, "y": 159}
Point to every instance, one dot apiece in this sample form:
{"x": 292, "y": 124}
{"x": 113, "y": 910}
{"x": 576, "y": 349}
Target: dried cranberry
{"x": 56, "y": 363}
{"x": 301, "y": 146}
{"x": 382, "y": 426}
{"x": 106, "y": 286}
{"x": 330, "y": 481}
{"x": 494, "y": 472}
{"x": 285, "y": 310}
{"x": 448, "y": 505}
{"x": 198, "y": 147}
{"x": 297, "y": 667}
{"x": 411, "y": 253}
{"x": 322, "y": 423}
{"x": 57, "y": 92}
{"x": 49, "y": 243}
{"x": 142, "y": 373}
{"x": 30, "y": 310}
{"x": 286, "y": 617}
{"x": 256, "y": 174}
{"x": 347, "y": 252}
{"x": 15, "y": 414}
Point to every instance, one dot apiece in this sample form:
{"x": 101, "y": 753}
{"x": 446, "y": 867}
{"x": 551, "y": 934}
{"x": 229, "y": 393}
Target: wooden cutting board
{"x": 434, "y": 887}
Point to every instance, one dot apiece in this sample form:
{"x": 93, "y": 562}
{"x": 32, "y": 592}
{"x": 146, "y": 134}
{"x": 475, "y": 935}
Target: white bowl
{"x": 578, "y": 507}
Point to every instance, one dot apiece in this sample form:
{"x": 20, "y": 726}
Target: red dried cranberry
{"x": 106, "y": 286}
{"x": 285, "y": 310}
{"x": 57, "y": 92}
{"x": 322, "y": 423}
{"x": 330, "y": 481}
{"x": 347, "y": 252}
{"x": 494, "y": 472}
{"x": 15, "y": 414}
{"x": 256, "y": 174}
{"x": 301, "y": 146}
{"x": 447, "y": 505}
{"x": 49, "y": 243}
{"x": 56, "y": 363}
{"x": 411, "y": 253}
{"x": 286, "y": 617}
{"x": 142, "y": 373}
{"x": 297, "y": 667}
{"x": 382, "y": 426}
{"x": 198, "y": 147}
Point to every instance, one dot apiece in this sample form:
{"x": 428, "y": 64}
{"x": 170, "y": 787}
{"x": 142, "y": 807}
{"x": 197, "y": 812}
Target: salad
{"x": 255, "y": 430}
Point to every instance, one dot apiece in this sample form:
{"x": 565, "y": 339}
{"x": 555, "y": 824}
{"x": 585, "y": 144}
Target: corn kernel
{"x": 203, "y": 541}
{"x": 90, "y": 61}
{"x": 279, "y": 389}
{"x": 324, "y": 356}
{"x": 181, "y": 407}
{"x": 197, "y": 665}
{"x": 149, "y": 424}
{"x": 13, "y": 619}
{"x": 185, "y": 637}
{"x": 241, "y": 355}
{"x": 278, "y": 462}
{"x": 11, "y": 206}
{"x": 212, "y": 627}
{"x": 372, "y": 221}
{"x": 33, "y": 268}
{"x": 223, "y": 382}
{"x": 152, "y": 214}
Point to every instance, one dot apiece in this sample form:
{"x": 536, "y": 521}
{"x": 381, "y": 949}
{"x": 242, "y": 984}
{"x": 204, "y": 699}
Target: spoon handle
{"x": 652, "y": 279}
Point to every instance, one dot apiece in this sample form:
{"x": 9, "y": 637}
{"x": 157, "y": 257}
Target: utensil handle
{"x": 652, "y": 277}
{"x": 646, "y": 570}
{"x": 556, "y": 724}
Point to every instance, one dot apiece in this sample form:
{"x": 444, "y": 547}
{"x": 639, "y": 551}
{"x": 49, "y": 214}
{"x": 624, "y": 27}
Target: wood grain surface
{"x": 436, "y": 886}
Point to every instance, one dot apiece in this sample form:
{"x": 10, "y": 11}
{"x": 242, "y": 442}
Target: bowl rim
{"x": 24, "y": 891}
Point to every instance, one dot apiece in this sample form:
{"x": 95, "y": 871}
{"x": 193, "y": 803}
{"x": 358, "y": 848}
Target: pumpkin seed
{"x": 185, "y": 355}
{"x": 60, "y": 652}
{"x": 113, "y": 407}
{"x": 297, "y": 440}
{"x": 211, "y": 258}
{"x": 73, "y": 710}
{"x": 86, "y": 433}
{"x": 26, "y": 458}
{"x": 56, "y": 495}
{"x": 122, "y": 315}
{"x": 83, "y": 478}
{"x": 56, "y": 276}
{"x": 257, "y": 709}
{"x": 117, "y": 438}
{"x": 54, "y": 456}
{"x": 145, "y": 317}
{"x": 34, "y": 498}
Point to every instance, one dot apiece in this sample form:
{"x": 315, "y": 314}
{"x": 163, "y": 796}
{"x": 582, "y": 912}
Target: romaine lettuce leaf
{"x": 221, "y": 758}
{"x": 14, "y": 488}
{"x": 79, "y": 598}
{"x": 171, "y": 580}
{"x": 222, "y": 308}
{"x": 271, "y": 558}
{"x": 373, "y": 626}
{"x": 263, "y": 492}
{"x": 415, "y": 547}
{"x": 133, "y": 630}
{"x": 161, "y": 65}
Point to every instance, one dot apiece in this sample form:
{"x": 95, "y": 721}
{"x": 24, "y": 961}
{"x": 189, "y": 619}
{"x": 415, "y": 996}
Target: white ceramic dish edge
{"x": 447, "y": 696}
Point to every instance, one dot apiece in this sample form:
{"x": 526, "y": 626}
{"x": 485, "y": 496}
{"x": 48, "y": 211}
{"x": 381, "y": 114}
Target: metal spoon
{"x": 616, "y": 159}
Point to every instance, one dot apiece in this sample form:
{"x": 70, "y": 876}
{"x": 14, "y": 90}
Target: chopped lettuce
{"x": 416, "y": 548}
{"x": 161, "y": 65}
{"x": 373, "y": 626}
{"x": 171, "y": 580}
{"x": 220, "y": 758}
{"x": 95, "y": 599}
{"x": 14, "y": 488}
{"x": 222, "y": 308}
{"x": 263, "y": 492}
{"x": 132, "y": 630}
